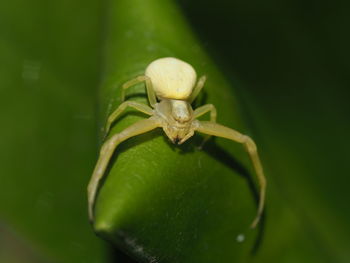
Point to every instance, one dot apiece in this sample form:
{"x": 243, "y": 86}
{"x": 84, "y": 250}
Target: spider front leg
{"x": 107, "y": 151}
{"x": 138, "y": 106}
{"x": 203, "y": 110}
{"x": 222, "y": 131}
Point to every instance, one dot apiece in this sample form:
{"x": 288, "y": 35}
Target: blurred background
{"x": 288, "y": 62}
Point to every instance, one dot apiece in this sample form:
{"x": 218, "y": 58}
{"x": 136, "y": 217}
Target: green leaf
{"x": 162, "y": 202}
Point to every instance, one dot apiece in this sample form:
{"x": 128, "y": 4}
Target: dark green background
{"x": 288, "y": 63}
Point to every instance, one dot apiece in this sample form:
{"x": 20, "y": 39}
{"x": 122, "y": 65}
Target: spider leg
{"x": 138, "y": 106}
{"x": 225, "y": 132}
{"x": 107, "y": 151}
{"x": 203, "y": 110}
{"x": 150, "y": 91}
{"x": 197, "y": 89}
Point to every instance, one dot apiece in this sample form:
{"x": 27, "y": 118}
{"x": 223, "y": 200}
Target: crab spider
{"x": 173, "y": 83}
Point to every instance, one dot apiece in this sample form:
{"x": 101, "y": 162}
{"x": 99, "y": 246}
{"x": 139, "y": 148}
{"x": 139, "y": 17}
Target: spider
{"x": 173, "y": 83}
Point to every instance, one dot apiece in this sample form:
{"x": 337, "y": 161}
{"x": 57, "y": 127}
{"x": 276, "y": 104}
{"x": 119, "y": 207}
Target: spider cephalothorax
{"x": 173, "y": 83}
{"x": 176, "y": 118}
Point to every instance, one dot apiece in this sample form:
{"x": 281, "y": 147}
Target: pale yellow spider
{"x": 173, "y": 82}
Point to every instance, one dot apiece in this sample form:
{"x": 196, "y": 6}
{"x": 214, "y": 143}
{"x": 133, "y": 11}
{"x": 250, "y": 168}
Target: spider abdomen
{"x": 171, "y": 78}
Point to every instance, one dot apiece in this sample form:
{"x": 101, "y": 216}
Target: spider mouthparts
{"x": 177, "y": 140}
